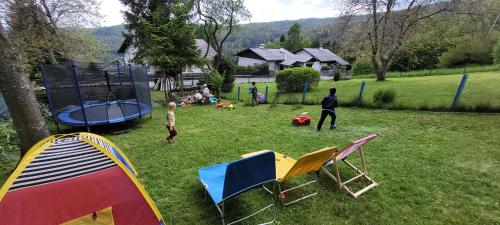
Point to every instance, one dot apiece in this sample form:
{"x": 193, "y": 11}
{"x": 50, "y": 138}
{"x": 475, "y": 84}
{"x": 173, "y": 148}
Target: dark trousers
{"x": 254, "y": 100}
{"x": 172, "y": 132}
{"x": 325, "y": 113}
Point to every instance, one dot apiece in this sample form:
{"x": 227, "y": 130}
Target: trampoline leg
{"x": 58, "y": 129}
{"x": 88, "y": 129}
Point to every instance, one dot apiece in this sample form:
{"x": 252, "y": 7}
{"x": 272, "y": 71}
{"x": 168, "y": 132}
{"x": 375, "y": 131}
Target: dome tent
{"x": 74, "y": 179}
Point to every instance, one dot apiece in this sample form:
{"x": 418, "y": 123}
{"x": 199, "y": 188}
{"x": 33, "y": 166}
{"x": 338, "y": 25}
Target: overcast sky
{"x": 262, "y": 10}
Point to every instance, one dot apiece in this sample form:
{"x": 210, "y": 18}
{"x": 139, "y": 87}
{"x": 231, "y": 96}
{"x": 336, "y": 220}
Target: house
{"x": 322, "y": 56}
{"x": 278, "y": 59}
{"x": 128, "y": 51}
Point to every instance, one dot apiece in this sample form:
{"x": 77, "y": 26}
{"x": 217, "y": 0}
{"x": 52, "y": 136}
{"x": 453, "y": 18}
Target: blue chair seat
{"x": 213, "y": 179}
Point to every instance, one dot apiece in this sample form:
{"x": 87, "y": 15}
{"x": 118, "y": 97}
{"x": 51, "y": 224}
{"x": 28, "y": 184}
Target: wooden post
{"x": 164, "y": 84}
{"x": 337, "y": 173}
{"x": 363, "y": 161}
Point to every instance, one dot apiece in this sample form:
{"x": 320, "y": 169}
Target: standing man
{"x": 328, "y": 106}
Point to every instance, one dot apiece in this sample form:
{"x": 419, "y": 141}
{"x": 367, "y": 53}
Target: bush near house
{"x": 362, "y": 66}
{"x": 262, "y": 69}
{"x": 215, "y": 81}
{"x": 293, "y": 79}
{"x": 227, "y": 69}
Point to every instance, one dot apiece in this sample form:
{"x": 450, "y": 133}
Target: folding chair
{"x": 342, "y": 156}
{"x": 287, "y": 167}
{"x": 226, "y": 180}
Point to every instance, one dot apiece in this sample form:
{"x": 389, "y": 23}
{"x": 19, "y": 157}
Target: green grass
{"x": 437, "y": 72}
{"x": 432, "y": 168}
{"x": 424, "y": 93}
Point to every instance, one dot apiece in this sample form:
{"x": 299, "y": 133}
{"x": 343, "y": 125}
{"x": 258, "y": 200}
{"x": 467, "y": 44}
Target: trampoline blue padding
{"x": 100, "y": 113}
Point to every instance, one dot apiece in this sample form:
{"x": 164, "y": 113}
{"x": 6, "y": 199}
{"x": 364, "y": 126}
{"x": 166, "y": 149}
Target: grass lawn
{"x": 432, "y": 168}
{"x": 411, "y": 92}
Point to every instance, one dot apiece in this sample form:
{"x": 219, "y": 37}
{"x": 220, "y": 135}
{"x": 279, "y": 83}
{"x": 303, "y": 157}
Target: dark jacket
{"x": 254, "y": 91}
{"x": 329, "y": 103}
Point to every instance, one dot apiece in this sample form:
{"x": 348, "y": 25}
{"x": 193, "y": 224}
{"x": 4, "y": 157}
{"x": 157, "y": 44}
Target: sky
{"x": 262, "y": 10}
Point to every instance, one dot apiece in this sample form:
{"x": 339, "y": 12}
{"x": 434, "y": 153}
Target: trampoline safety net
{"x": 88, "y": 94}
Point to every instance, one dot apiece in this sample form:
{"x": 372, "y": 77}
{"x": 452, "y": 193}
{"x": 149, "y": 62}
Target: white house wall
{"x": 316, "y": 65}
{"x": 242, "y": 61}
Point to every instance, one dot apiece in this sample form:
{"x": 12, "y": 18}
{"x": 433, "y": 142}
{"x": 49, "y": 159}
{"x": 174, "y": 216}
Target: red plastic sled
{"x": 301, "y": 120}
{"x": 223, "y": 105}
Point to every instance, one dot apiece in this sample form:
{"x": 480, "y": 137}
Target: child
{"x": 328, "y": 106}
{"x": 254, "y": 94}
{"x": 171, "y": 122}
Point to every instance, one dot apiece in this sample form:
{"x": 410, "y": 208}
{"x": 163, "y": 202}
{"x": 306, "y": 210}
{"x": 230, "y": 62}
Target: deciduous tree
{"x": 16, "y": 88}
{"x": 390, "y": 22}
{"x": 220, "y": 19}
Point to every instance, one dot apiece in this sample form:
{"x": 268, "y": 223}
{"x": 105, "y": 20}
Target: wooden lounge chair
{"x": 342, "y": 156}
{"x": 287, "y": 167}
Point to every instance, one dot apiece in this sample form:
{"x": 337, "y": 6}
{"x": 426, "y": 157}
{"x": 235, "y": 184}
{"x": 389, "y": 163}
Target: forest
{"x": 464, "y": 36}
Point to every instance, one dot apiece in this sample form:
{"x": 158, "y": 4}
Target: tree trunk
{"x": 181, "y": 79}
{"x": 164, "y": 84}
{"x": 381, "y": 73}
{"x": 19, "y": 96}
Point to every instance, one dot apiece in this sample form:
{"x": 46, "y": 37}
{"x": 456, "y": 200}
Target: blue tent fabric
{"x": 225, "y": 180}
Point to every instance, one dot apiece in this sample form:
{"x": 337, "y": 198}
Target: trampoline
{"x": 89, "y": 94}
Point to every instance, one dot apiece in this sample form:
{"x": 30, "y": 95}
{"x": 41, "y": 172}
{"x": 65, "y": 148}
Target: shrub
{"x": 261, "y": 69}
{"x": 227, "y": 69}
{"x": 336, "y": 75}
{"x": 9, "y": 140}
{"x": 215, "y": 81}
{"x": 384, "y": 96}
{"x": 362, "y": 67}
{"x": 470, "y": 51}
{"x": 293, "y": 79}
{"x": 496, "y": 52}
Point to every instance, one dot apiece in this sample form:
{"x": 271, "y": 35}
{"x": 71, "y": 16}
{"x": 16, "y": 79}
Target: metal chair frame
{"x": 220, "y": 206}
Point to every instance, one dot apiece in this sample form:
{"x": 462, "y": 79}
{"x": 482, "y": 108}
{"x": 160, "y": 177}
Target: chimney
{"x": 261, "y": 46}
{"x": 282, "y": 50}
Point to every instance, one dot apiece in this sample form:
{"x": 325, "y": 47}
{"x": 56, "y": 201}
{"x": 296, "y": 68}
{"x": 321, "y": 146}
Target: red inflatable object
{"x": 301, "y": 120}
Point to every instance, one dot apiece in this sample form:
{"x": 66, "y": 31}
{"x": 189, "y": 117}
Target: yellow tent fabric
{"x": 103, "y": 217}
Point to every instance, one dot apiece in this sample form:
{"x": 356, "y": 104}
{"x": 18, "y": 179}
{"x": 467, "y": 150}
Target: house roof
{"x": 292, "y": 59}
{"x": 268, "y": 54}
{"x": 275, "y": 54}
{"x": 127, "y": 42}
{"x": 200, "y": 44}
{"x": 325, "y": 55}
